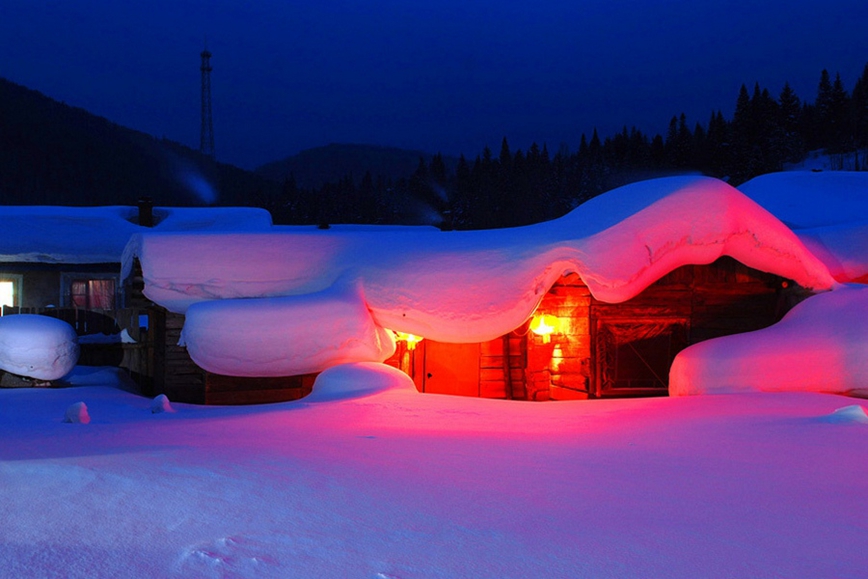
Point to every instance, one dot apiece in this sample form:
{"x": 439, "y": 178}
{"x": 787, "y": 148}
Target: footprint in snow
{"x": 236, "y": 556}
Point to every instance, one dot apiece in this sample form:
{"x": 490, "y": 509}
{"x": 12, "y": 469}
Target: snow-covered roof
{"x": 50, "y": 234}
{"x": 448, "y": 286}
{"x": 827, "y": 210}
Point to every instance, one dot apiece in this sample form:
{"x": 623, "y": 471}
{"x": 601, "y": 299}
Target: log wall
{"x": 697, "y": 302}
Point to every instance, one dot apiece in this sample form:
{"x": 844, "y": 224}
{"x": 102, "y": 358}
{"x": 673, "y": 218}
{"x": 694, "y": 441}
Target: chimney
{"x": 146, "y": 212}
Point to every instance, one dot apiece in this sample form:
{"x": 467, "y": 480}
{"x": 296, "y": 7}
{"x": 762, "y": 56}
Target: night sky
{"x": 450, "y": 76}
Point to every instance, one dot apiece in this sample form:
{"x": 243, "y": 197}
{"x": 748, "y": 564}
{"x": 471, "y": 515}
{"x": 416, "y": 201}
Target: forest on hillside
{"x": 518, "y": 187}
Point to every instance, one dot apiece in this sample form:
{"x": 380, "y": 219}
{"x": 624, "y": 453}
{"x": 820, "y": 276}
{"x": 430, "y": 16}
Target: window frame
{"x": 68, "y": 278}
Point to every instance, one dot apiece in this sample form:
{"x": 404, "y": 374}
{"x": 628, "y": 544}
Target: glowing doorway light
{"x": 544, "y": 325}
{"x": 6, "y": 293}
{"x": 411, "y": 339}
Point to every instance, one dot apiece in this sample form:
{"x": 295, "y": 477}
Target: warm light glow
{"x": 411, "y": 339}
{"x": 544, "y": 325}
{"x": 6, "y": 290}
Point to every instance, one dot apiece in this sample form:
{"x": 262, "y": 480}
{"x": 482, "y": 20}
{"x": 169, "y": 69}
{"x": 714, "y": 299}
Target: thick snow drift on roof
{"x": 284, "y": 336}
{"x": 828, "y": 211}
{"x": 37, "y": 346}
{"x": 819, "y": 346}
{"x": 843, "y": 248}
{"x": 477, "y": 285}
{"x": 52, "y": 234}
{"x": 805, "y": 199}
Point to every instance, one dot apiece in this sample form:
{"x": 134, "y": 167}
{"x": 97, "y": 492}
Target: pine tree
{"x": 824, "y": 107}
{"x": 741, "y": 150}
{"x": 718, "y": 145}
{"x": 789, "y": 120}
{"x": 859, "y": 110}
{"x": 840, "y": 133}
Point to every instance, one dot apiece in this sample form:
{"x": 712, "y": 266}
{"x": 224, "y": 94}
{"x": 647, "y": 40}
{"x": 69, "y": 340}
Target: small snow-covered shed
{"x": 595, "y": 303}
{"x": 66, "y": 261}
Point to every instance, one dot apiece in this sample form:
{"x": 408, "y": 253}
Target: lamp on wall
{"x": 544, "y": 325}
{"x": 411, "y": 339}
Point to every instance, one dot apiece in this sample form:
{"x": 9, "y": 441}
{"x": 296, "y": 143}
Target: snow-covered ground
{"x": 367, "y": 478}
{"x": 394, "y": 484}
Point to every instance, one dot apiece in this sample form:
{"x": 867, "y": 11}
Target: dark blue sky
{"x": 450, "y": 76}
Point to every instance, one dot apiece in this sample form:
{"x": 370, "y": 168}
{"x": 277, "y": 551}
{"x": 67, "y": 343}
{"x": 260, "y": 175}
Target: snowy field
{"x": 368, "y": 479}
{"x": 394, "y": 484}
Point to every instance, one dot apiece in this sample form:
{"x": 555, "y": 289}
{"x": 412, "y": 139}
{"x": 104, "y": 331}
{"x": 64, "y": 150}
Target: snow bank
{"x": 347, "y": 381}
{"x": 37, "y": 346}
{"x": 284, "y": 336}
{"x": 820, "y": 346}
{"x": 827, "y": 210}
{"x": 455, "y": 286}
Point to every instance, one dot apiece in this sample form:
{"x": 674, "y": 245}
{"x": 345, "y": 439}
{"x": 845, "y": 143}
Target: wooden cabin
{"x": 592, "y": 350}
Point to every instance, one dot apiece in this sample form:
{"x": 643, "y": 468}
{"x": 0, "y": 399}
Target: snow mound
{"x": 359, "y": 379}
{"x": 284, "y": 336}
{"x": 77, "y": 414}
{"x": 37, "y": 346}
{"x": 821, "y": 345}
{"x": 161, "y": 404}
{"x": 848, "y": 414}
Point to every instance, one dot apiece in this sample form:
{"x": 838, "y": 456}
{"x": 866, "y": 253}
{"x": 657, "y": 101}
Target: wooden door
{"x": 450, "y": 368}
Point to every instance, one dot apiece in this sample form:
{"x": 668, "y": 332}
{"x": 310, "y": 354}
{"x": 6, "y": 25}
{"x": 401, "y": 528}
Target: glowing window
{"x": 96, "y": 294}
{"x": 7, "y": 293}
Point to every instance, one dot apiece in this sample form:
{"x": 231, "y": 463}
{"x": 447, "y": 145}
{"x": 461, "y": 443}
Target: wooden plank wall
{"x": 559, "y": 369}
{"x": 176, "y": 375}
{"x": 221, "y": 389}
{"x": 501, "y": 368}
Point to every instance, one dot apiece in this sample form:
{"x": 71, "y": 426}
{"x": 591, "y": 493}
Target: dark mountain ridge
{"x": 55, "y": 154}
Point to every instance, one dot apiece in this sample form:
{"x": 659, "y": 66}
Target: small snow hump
{"x": 357, "y": 380}
{"x": 77, "y": 414}
{"x": 848, "y": 414}
{"x": 161, "y": 404}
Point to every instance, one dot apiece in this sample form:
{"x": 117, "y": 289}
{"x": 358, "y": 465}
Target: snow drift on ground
{"x": 454, "y": 286}
{"x": 38, "y": 347}
{"x": 827, "y": 210}
{"x": 359, "y": 379}
{"x": 820, "y": 346}
{"x": 48, "y": 234}
{"x": 392, "y": 485}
